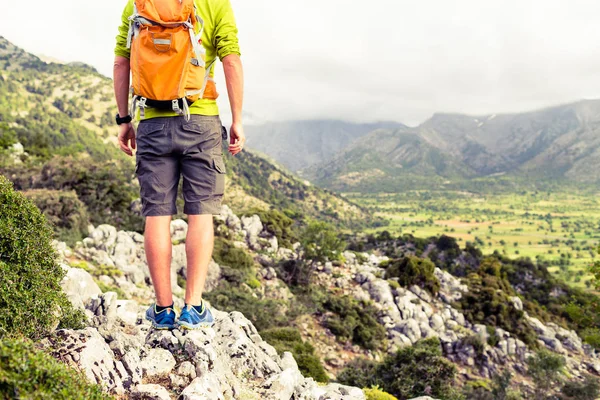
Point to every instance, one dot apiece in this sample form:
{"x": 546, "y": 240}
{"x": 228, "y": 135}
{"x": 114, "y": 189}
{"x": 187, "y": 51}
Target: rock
{"x": 128, "y": 311}
{"x": 203, "y": 387}
{"x": 104, "y": 237}
{"x": 517, "y": 303}
{"x": 284, "y": 383}
{"x": 157, "y": 362}
{"x": 288, "y": 361}
{"x": 362, "y": 277}
{"x": 178, "y": 381}
{"x": 179, "y": 230}
{"x": 285, "y": 254}
{"x": 131, "y": 362}
{"x": 162, "y": 339}
{"x": 269, "y": 273}
{"x": 88, "y": 350}
{"x": 264, "y": 260}
{"x": 411, "y": 329}
{"x": 253, "y": 228}
{"x": 150, "y": 392}
{"x": 436, "y": 322}
{"x": 79, "y": 287}
{"x": 187, "y": 369}
{"x": 342, "y": 392}
{"x": 421, "y": 293}
{"x": 273, "y": 244}
{"x": 125, "y": 257}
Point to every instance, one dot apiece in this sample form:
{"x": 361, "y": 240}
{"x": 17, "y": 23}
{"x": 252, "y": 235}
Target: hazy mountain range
{"x": 560, "y": 143}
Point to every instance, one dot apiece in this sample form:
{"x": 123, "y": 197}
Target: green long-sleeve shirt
{"x": 219, "y": 38}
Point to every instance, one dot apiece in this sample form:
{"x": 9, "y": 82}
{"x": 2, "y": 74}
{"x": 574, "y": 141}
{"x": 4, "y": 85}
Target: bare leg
{"x": 158, "y": 246}
{"x": 198, "y": 248}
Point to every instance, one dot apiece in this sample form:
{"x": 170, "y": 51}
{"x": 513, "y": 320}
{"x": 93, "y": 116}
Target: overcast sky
{"x": 369, "y": 60}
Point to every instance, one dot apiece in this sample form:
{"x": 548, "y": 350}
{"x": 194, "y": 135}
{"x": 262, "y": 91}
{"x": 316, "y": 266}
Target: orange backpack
{"x": 167, "y": 57}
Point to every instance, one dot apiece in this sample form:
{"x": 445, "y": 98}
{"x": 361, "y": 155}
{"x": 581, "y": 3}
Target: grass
{"x": 560, "y": 228}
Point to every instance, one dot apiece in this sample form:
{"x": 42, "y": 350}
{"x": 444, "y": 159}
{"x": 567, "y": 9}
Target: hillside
{"x": 63, "y": 116}
{"x": 556, "y": 144}
{"x": 303, "y": 311}
{"x": 300, "y": 144}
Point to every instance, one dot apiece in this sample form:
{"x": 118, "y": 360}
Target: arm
{"x": 121, "y": 87}
{"x": 234, "y": 77}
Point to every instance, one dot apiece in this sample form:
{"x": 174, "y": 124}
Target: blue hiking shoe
{"x": 164, "y": 319}
{"x": 190, "y": 318}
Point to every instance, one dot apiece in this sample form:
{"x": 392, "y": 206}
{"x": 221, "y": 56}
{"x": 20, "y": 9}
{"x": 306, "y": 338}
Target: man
{"x": 170, "y": 145}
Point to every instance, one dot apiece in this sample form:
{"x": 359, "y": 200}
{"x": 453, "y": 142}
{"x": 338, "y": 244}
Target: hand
{"x": 127, "y": 138}
{"x": 237, "y": 138}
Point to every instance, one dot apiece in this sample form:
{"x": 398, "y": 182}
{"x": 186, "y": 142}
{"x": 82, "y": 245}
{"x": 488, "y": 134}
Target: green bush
{"x": 28, "y": 373}
{"x": 499, "y": 389}
{"x": 106, "y": 188}
{"x": 225, "y": 253}
{"x": 589, "y": 389}
{"x": 64, "y": 211}
{"x": 289, "y": 339}
{"x": 321, "y": 242}
{"x": 545, "y": 369}
{"x": 31, "y": 299}
{"x": 591, "y": 336}
{"x": 278, "y": 224}
{"x": 411, "y": 372}
{"x": 413, "y": 270}
{"x": 296, "y": 273}
{"x": 375, "y": 393}
{"x": 354, "y": 320}
{"x": 488, "y": 302}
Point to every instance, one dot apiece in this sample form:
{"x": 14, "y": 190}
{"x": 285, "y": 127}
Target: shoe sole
{"x": 201, "y": 325}
{"x": 160, "y": 326}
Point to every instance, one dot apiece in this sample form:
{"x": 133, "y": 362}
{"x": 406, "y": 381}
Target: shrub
{"x": 296, "y": 273}
{"x": 413, "y": 270}
{"x": 321, "y": 242}
{"x": 278, "y": 224}
{"x": 225, "y": 253}
{"x": 28, "y": 373}
{"x": 105, "y": 187}
{"x": 354, "y": 320}
{"x": 289, "y": 339}
{"x": 410, "y": 372}
{"x": 64, "y": 211}
{"x": 30, "y": 292}
{"x": 360, "y": 372}
{"x": 545, "y": 368}
{"x": 488, "y": 302}
{"x": 589, "y": 389}
{"x": 498, "y": 390}
{"x": 375, "y": 393}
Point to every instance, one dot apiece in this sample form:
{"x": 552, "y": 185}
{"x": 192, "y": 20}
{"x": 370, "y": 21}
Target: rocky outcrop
{"x": 230, "y": 360}
{"x": 411, "y": 314}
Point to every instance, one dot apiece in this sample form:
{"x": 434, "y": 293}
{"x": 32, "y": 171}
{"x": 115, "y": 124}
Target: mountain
{"x": 555, "y": 144}
{"x": 300, "y": 144}
{"x": 63, "y": 117}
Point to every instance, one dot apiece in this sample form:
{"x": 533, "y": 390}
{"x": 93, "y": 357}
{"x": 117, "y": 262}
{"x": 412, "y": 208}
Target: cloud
{"x": 363, "y": 61}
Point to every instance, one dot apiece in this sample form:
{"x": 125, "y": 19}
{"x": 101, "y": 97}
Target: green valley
{"x": 554, "y": 228}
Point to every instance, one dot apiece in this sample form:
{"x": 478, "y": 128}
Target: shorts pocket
{"x": 148, "y": 128}
{"x": 219, "y": 166}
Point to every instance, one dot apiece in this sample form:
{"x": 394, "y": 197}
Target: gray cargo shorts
{"x": 168, "y": 147}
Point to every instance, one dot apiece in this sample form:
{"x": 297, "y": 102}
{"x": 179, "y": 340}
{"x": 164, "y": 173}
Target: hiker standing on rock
{"x": 170, "y": 47}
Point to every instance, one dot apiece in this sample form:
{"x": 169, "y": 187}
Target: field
{"x": 560, "y": 228}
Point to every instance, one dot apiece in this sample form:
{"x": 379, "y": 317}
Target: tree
{"x": 321, "y": 242}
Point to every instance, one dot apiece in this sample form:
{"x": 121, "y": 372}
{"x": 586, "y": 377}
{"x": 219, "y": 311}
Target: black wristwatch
{"x": 123, "y": 120}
